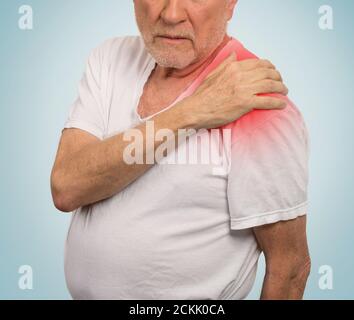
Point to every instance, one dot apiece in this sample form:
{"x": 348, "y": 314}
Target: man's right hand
{"x": 233, "y": 89}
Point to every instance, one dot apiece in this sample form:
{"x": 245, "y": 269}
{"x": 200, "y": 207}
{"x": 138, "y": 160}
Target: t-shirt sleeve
{"x": 87, "y": 112}
{"x": 268, "y": 176}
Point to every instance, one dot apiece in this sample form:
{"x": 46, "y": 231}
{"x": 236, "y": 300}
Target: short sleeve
{"x": 268, "y": 176}
{"x": 87, "y": 112}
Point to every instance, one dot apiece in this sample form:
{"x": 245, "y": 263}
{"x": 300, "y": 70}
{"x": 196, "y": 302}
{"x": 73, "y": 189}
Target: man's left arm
{"x": 267, "y": 193}
{"x": 288, "y": 263}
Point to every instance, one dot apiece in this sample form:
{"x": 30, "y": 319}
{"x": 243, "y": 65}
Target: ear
{"x": 231, "y": 8}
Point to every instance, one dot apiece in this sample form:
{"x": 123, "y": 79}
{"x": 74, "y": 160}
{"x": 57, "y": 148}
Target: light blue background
{"x": 39, "y": 74}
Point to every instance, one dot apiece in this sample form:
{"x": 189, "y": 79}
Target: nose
{"x": 174, "y": 12}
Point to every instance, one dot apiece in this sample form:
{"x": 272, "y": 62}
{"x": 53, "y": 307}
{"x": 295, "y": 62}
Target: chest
{"x": 157, "y": 96}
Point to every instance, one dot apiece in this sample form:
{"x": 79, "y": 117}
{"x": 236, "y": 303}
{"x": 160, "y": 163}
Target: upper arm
{"x": 284, "y": 243}
{"x": 268, "y": 178}
{"x": 88, "y": 110}
{"x": 85, "y": 123}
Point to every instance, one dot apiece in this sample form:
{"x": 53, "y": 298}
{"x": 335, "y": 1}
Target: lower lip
{"x": 173, "y": 41}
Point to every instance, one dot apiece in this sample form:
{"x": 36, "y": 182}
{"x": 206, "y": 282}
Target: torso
{"x": 167, "y": 234}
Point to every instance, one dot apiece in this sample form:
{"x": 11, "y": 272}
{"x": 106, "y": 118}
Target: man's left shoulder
{"x": 287, "y": 121}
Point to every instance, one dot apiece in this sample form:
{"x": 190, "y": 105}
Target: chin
{"x": 177, "y": 57}
{"x": 174, "y": 60}
{"x": 165, "y": 63}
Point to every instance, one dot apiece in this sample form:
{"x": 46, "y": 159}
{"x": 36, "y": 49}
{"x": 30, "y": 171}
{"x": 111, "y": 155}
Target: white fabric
{"x": 179, "y": 231}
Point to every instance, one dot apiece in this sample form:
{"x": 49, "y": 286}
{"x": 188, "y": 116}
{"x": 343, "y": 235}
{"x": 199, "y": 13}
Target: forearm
{"x": 99, "y": 170}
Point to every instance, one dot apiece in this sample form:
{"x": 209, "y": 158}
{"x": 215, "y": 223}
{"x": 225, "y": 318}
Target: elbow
{"x": 62, "y": 204}
{"x": 296, "y": 270}
{"x": 303, "y": 270}
{"x": 62, "y": 198}
{"x": 299, "y": 274}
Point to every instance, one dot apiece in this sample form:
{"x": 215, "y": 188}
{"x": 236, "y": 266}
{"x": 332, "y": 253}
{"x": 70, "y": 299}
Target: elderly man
{"x": 181, "y": 231}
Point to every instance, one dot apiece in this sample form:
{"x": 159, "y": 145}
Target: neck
{"x": 193, "y": 68}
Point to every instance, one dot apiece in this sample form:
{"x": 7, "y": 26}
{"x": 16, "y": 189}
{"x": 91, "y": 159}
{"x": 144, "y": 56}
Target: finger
{"x": 251, "y": 64}
{"x": 231, "y": 58}
{"x": 268, "y": 86}
{"x": 262, "y": 74}
{"x": 268, "y": 103}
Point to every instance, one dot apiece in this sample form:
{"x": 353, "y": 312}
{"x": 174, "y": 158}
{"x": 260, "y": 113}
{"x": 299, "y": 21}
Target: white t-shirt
{"x": 180, "y": 231}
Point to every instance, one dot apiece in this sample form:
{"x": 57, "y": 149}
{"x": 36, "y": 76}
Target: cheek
{"x": 148, "y": 10}
{"x": 205, "y": 22}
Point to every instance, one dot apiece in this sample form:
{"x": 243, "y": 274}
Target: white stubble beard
{"x": 171, "y": 58}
